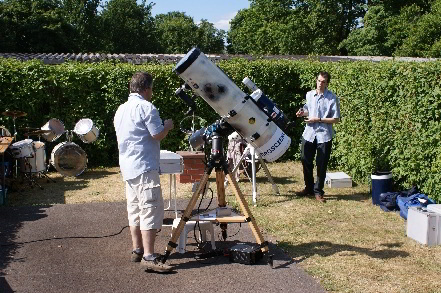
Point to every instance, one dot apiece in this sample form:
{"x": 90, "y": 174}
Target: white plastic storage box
{"x": 170, "y": 163}
{"x": 424, "y": 226}
{"x": 338, "y": 180}
{"x": 436, "y": 208}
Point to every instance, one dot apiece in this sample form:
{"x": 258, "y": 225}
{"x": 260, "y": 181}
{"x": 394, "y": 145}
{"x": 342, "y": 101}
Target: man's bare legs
{"x": 148, "y": 241}
{"x": 135, "y": 232}
{"x": 143, "y": 240}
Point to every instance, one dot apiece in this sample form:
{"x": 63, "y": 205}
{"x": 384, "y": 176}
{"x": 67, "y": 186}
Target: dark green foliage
{"x": 127, "y": 27}
{"x": 38, "y": 26}
{"x": 398, "y": 28}
{"x": 177, "y": 33}
{"x": 390, "y": 110}
{"x": 294, "y": 27}
{"x": 82, "y": 16}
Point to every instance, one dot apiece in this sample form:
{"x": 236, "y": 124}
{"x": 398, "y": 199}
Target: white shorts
{"x": 145, "y": 205}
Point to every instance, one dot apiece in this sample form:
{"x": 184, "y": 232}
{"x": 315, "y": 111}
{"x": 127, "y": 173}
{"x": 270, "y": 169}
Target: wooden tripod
{"x": 218, "y": 162}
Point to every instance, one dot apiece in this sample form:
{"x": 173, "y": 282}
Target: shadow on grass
{"x": 96, "y": 173}
{"x": 11, "y": 220}
{"x": 53, "y": 190}
{"x": 325, "y": 248}
{"x": 277, "y": 180}
{"x": 347, "y": 197}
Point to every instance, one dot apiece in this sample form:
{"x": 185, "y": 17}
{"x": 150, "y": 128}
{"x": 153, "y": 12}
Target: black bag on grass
{"x": 388, "y": 200}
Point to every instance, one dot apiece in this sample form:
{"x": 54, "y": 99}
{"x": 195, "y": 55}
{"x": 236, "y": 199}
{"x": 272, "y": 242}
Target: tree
{"x": 177, "y": 33}
{"x": 128, "y": 27}
{"x": 261, "y": 28}
{"x": 7, "y": 29}
{"x": 294, "y": 27}
{"x": 371, "y": 39}
{"x": 209, "y": 39}
{"x": 34, "y": 26}
{"x": 424, "y": 37}
{"x": 413, "y": 31}
{"x": 243, "y": 29}
{"x": 82, "y": 15}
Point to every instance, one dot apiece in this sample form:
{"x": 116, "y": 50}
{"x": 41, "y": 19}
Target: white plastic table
{"x": 172, "y": 164}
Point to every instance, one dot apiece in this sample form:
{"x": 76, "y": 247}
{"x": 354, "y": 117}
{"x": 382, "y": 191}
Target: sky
{"x": 218, "y": 12}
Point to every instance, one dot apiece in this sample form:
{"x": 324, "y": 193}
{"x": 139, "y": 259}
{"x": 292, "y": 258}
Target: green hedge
{"x": 390, "y": 110}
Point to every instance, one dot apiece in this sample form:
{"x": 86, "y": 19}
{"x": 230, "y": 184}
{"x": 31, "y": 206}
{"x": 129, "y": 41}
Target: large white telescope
{"x": 255, "y": 122}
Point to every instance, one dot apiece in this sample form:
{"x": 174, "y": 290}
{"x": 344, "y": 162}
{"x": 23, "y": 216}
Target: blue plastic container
{"x": 381, "y": 182}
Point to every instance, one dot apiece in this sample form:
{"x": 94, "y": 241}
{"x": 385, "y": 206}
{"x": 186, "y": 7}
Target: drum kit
{"x": 68, "y": 158}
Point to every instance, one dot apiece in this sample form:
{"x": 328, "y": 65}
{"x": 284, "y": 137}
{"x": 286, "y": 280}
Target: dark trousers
{"x": 309, "y": 150}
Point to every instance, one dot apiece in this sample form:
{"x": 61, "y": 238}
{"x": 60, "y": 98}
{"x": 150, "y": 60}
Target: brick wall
{"x": 193, "y": 166}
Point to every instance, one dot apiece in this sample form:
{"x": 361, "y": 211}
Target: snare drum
{"x": 69, "y": 159}
{"x": 22, "y": 148}
{"x": 36, "y": 163}
{"x": 56, "y": 127}
{"x": 86, "y": 130}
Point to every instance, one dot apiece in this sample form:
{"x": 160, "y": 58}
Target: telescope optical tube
{"x": 232, "y": 104}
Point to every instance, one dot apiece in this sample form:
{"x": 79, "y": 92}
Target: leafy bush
{"x": 390, "y": 110}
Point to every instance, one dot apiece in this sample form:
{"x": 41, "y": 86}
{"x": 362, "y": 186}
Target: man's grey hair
{"x": 140, "y": 82}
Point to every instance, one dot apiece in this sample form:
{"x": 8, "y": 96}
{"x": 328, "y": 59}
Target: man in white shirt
{"x": 139, "y": 130}
{"x": 322, "y": 110}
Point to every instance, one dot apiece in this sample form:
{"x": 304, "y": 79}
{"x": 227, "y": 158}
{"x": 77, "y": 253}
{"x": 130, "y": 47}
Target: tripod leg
{"x": 245, "y": 152}
{"x": 238, "y": 165}
{"x": 184, "y": 218}
{"x": 247, "y": 213}
{"x": 268, "y": 175}
{"x": 220, "y": 179}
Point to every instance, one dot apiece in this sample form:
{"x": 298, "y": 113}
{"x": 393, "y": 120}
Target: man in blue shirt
{"x": 139, "y": 130}
{"x": 322, "y": 110}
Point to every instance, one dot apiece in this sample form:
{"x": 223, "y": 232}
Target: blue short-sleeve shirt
{"x": 136, "y": 121}
{"x": 325, "y": 105}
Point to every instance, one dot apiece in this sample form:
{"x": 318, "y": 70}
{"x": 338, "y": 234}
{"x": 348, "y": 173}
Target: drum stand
{"x": 217, "y": 161}
{"x": 29, "y": 175}
{"x": 251, "y": 150}
{"x": 43, "y": 173}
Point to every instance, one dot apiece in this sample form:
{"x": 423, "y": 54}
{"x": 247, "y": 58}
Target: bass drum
{"x": 69, "y": 159}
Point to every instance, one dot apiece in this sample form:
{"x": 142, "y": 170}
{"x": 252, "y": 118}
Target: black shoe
{"x": 304, "y": 192}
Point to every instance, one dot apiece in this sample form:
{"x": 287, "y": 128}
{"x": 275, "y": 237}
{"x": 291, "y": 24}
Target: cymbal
{"x": 38, "y": 132}
{"x": 15, "y": 113}
{"x": 27, "y": 129}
